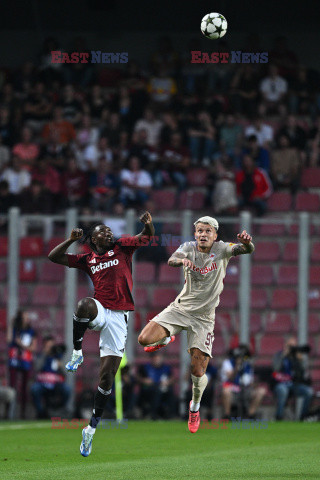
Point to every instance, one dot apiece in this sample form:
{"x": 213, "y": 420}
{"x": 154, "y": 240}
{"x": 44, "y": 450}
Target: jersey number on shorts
{"x": 209, "y": 340}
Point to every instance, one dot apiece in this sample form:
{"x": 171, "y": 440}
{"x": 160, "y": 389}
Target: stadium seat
{"x": 3, "y": 246}
{"x": 294, "y": 229}
{"x": 218, "y": 346}
{"x": 31, "y": 247}
{"x": 278, "y": 323}
{"x": 223, "y": 323}
{"x": 290, "y": 252}
{"x": 272, "y": 229}
{"x": 91, "y": 343}
{"x": 283, "y": 299}
{"x": 310, "y": 178}
{"x": 313, "y": 323}
{"x": 141, "y": 297}
{"x": 171, "y": 249}
{"x": 166, "y": 199}
{"x": 191, "y": 200}
{"x": 162, "y": 297}
{"x": 53, "y": 242}
{"x": 23, "y": 295}
{"x": 315, "y": 252}
{"x": 144, "y": 272}
{"x": 229, "y": 299}
{"x": 197, "y": 177}
{"x": 271, "y": 344}
{"x": 314, "y": 298}
{"x": 3, "y": 271}
{"x": 168, "y": 274}
{"x": 280, "y": 202}
{"x": 27, "y": 271}
{"x": 259, "y": 299}
{"x": 255, "y": 323}
{"x": 232, "y": 274}
{"x": 267, "y": 252}
{"x": 307, "y": 202}
{"x": 60, "y": 318}
{"x": 151, "y": 314}
{"x": 51, "y": 272}
{"x": 45, "y": 295}
{"x": 262, "y": 275}
{"x": 3, "y": 318}
{"x": 288, "y": 275}
{"x": 314, "y": 275}
{"x": 41, "y": 318}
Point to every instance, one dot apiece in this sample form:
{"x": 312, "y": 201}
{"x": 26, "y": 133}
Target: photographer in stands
{"x": 291, "y": 377}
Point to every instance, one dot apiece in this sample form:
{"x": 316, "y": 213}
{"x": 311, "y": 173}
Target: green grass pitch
{"x": 160, "y": 450}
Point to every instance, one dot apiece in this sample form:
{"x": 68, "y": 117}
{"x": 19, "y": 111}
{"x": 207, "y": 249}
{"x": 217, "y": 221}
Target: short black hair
{"x": 87, "y": 238}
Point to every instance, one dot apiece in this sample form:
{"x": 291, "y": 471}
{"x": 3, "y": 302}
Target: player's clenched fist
{"x": 146, "y": 218}
{"x": 187, "y": 263}
{"x": 244, "y": 237}
{"x": 76, "y": 234}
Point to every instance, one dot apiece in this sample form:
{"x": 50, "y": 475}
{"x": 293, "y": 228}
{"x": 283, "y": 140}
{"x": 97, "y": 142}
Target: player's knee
{"x": 86, "y": 308}
{"x": 143, "y": 339}
{"x": 197, "y": 371}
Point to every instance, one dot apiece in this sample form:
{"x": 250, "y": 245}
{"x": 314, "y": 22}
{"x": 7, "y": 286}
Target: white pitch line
{"x": 25, "y": 427}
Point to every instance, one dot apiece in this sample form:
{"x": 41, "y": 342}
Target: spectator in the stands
{"x": 156, "y": 396}
{"x": 139, "y": 148}
{"x": 63, "y": 129}
{"x": 291, "y": 376}
{"x": 202, "y": 134}
{"x": 49, "y": 177}
{"x": 244, "y": 89}
{"x": 93, "y": 153}
{"x": 17, "y": 177}
{"x": 50, "y": 379}
{"x": 22, "y": 343}
{"x": 170, "y": 125}
{"x": 301, "y": 93}
{"x": 260, "y": 155}
{"x": 151, "y": 125}
{"x": 87, "y": 133}
{"x": 71, "y": 107}
{"x": 162, "y": 87}
{"x": 6, "y": 126}
{"x": 230, "y": 135}
{"x": 49, "y": 71}
{"x": 104, "y": 187}
{"x": 253, "y": 186}
{"x": 136, "y": 184}
{"x": 273, "y": 89}
{"x": 314, "y": 143}
{"x": 224, "y": 197}
{"x": 8, "y": 397}
{"x": 96, "y": 103}
{"x": 38, "y": 107}
{"x": 286, "y": 165}
{"x": 27, "y": 150}
{"x": 54, "y": 151}
{"x": 113, "y": 130}
{"x": 4, "y": 155}
{"x": 74, "y": 185}
{"x": 296, "y": 134}
{"x": 36, "y": 199}
{"x": 123, "y": 105}
{"x": 174, "y": 161}
{"x": 262, "y": 131}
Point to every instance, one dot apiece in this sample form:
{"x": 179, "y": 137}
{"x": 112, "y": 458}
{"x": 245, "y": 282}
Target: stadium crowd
{"x": 73, "y": 135}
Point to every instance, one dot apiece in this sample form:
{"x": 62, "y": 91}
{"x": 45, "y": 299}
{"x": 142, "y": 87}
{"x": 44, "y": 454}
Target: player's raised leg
{"x": 154, "y": 336}
{"x": 86, "y": 311}
{"x": 108, "y": 368}
{"x": 199, "y": 363}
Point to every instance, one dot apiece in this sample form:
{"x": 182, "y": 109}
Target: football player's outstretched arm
{"x": 246, "y": 245}
{"x": 58, "y": 254}
{"x": 148, "y": 229}
{"x": 178, "y": 261}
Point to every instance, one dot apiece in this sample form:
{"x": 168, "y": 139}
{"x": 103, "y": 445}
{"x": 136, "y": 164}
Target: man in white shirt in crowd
{"x": 136, "y": 184}
{"x": 273, "y": 89}
{"x": 152, "y": 125}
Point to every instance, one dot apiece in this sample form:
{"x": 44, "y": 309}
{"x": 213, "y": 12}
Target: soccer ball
{"x": 214, "y": 26}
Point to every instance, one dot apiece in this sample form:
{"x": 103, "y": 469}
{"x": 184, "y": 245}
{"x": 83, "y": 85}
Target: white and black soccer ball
{"x": 214, "y": 26}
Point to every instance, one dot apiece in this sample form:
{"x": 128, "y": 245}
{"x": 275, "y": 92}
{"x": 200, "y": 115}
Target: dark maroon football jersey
{"x": 111, "y": 273}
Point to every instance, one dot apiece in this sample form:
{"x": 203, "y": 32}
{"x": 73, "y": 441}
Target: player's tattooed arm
{"x": 148, "y": 229}
{"x": 246, "y": 245}
{"x": 58, "y": 254}
{"x": 179, "y": 260}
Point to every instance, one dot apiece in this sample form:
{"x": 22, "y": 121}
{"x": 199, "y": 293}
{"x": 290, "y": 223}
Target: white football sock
{"x": 164, "y": 341}
{"x": 77, "y": 352}
{"x": 198, "y": 386}
{"x": 194, "y": 407}
{"x": 90, "y": 429}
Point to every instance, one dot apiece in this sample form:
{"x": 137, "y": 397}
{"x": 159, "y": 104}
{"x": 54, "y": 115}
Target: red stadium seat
{"x": 290, "y": 252}
{"x": 3, "y": 318}
{"x": 169, "y": 274}
{"x": 23, "y": 295}
{"x": 51, "y": 272}
{"x": 232, "y": 274}
{"x": 255, "y": 323}
{"x": 223, "y": 323}
{"x": 267, "y": 252}
{"x": 218, "y": 346}
{"x": 271, "y": 344}
{"x": 3, "y": 271}
{"x": 53, "y": 242}
{"x": 307, "y": 202}
{"x": 46, "y": 295}
{"x": 262, "y": 275}
{"x": 151, "y": 314}
{"x": 3, "y": 246}
{"x": 171, "y": 249}
{"x": 27, "y": 271}
{"x": 197, "y": 177}
{"x": 278, "y": 323}
{"x": 41, "y": 318}
{"x": 144, "y": 272}
{"x": 294, "y": 229}
{"x": 259, "y": 299}
{"x": 191, "y": 200}
{"x": 313, "y": 323}
{"x": 315, "y": 252}
{"x": 162, "y": 297}
{"x": 164, "y": 199}
{"x": 272, "y": 229}
{"x": 284, "y": 299}
{"x": 229, "y": 298}
{"x": 314, "y": 275}
{"x": 31, "y": 247}
{"x": 314, "y": 298}
{"x": 141, "y": 297}
{"x": 280, "y": 202}
{"x": 310, "y": 178}
{"x": 288, "y": 275}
